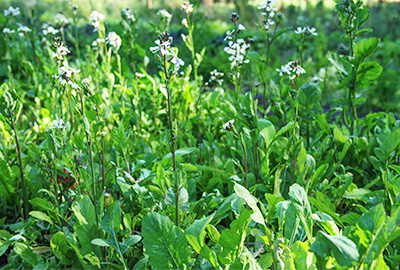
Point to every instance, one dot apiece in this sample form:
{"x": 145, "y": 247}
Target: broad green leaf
{"x": 299, "y": 253}
{"x": 85, "y": 227}
{"x": 337, "y": 133}
{"x": 111, "y": 221}
{"x": 196, "y": 233}
{"x": 367, "y": 73}
{"x": 310, "y": 94}
{"x": 243, "y": 193}
{"x": 232, "y": 239}
{"x": 272, "y": 202}
{"x": 26, "y": 253}
{"x": 365, "y": 47}
{"x": 358, "y": 194}
{"x": 183, "y": 198}
{"x": 101, "y": 242}
{"x": 164, "y": 243}
{"x": 61, "y": 249}
{"x": 213, "y": 233}
{"x": 267, "y": 131}
{"x": 41, "y": 216}
{"x": 42, "y": 203}
{"x": 340, "y": 247}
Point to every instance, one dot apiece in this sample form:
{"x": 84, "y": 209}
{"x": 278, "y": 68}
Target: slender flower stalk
{"x": 170, "y": 62}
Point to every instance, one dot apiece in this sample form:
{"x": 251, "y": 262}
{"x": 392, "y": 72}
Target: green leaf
{"x": 267, "y": 132}
{"x": 26, "y": 253}
{"x": 164, "y": 243}
{"x": 41, "y": 216}
{"x": 364, "y": 48}
{"x": 61, "y": 248}
{"x": 340, "y": 247}
{"x": 181, "y": 152}
{"x": 42, "y": 203}
{"x": 367, "y": 73}
{"x": 310, "y": 94}
{"x": 111, "y": 221}
{"x": 7, "y": 187}
{"x": 101, "y": 242}
{"x": 232, "y": 239}
{"x": 85, "y": 227}
{"x": 196, "y": 233}
{"x": 243, "y": 193}
{"x": 337, "y": 133}
{"x": 299, "y": 252}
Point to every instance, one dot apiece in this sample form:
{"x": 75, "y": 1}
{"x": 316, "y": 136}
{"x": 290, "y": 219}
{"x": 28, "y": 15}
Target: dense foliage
{"x": 192, "y": 144}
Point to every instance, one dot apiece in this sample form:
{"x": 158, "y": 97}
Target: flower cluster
{"x": 65, "y": 73}
{"x": 114, "y": 40}
{"x": 269, "y": 12}
{"x": 48, "y": 29}
{"x": 61, "y": 19}
{"x": 164, "y": 14}
{"x": 291, "y": 69}
{"x": 8, "y": 31}
{"x": 163, "y": 50}
{"x": 187, "y": 7}
{"x": 217, "y": 77}
{"x": 96, "y": 19}
{"x": 12, "y": 11}
{"x": 238, "y": 51}
{"x": 23, "y": 30}
{"x": 306, "y": 31}
{"x": 127, "y": 15}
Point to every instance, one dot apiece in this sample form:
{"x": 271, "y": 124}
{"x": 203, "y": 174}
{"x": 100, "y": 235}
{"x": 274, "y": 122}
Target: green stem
{"x": 21, "y": 170}
{"x": 173, "y": 139}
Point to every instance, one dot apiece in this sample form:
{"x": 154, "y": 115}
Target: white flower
{"x": 312, "y": 31}
{"x": 238, "y": 52}
{"x": 216, "y": 76}
{"x": 58, "y": 123}
{"x": 61, "y": 52}
{"x": 228, "y": 124}
{"x": 12, "y": 11}
{"x": 114, "y": 40}
{"x": 49, "y": 30}
{"x": 284, "y": 70}
{"x": 61, "y": 19}
{"x": 139, "y": 75}
{"x": 97, "y": 42}
{"x": 8, "y": 31}
{"x": 128, "y": 14}
{"x": 65, "y": 74}
{"x": 187, "y": 7}
{"x": 268, "y": 4}
{"x": 185, "y": 23}
{"x": 291, "y": 69}
{"x": 96, "y": 18}
{"x": 241, "y": 27}
{"x": 24, "y": 29}
{"x": 165, "y": 14}
{"x": 300, "y": 30}
{"x": 299, "y": 70}
{"x": 164, "y": 47}
{"x": 176, "y": 60}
